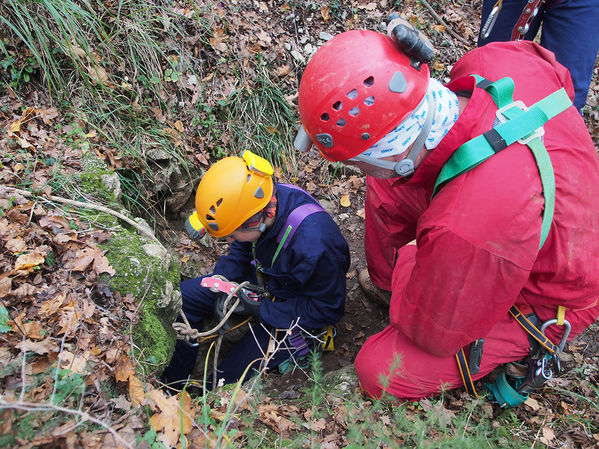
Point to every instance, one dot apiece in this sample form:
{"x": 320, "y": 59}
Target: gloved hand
{"x": 249, "y": 304}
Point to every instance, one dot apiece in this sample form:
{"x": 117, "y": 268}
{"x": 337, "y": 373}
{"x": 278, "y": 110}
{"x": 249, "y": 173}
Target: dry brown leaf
{"x": 69, "y": 319}
{"x": 179, "y": 126}
{"x": 28, "y": 260}
{"x": 264, "y": 38}
{"x": 15, "y": 127}
{"x": 438, "y": 65}
{"x": 75, "y": 363}
{"x": 171, "y": 414}
{"x": 82, "y": 262}
{"x": 283, "y": 71}
{"x": 51, "y": 306}
{"x": 136, "y": 391}
{"x": 532, "y": 403}
{"x": 5, "y": 286}
{"x": 217, "y": 41}
{"x": 39, "y": 347}
{"x": 101, "y": 264}
{"x": 63, "y": 238}
{"x": 439, "y": 28}
{"x": 121, "y": 403}
{"x": 124, "y": 369}
{"x": 270, "y": 415}
{"x": 25, "y": 289}
{"x": 98, "y": 74}
{"x": 6, "y": 420}
{"x": 345, "y": 201}
{"x": 16, "y": 245}
{"x": 318, "y": 424}
{"x": 325, "y": 13}
{"x": 548, "y": 433}
{"x": 47, "y": 115}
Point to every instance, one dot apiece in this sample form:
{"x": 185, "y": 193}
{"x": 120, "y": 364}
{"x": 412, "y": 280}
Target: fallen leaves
{"x": 345, "y": 201}
{"x": 173, "y": 417}
{"x": 29, "y": 260}
{"x": 136, "y": 390}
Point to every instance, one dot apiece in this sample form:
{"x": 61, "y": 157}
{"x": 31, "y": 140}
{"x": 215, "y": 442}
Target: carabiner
{"x": 488, "y": 26}
{"x": 562, "y": 343}
{"x": 567, "y": 328}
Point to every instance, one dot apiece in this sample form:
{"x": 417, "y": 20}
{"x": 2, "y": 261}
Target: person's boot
{"x": 381, "y": 296}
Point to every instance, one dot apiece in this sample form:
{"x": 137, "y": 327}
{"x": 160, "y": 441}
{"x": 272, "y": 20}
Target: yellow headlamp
{"x": 257, "y": 164}
{"x": 194, "y": 226}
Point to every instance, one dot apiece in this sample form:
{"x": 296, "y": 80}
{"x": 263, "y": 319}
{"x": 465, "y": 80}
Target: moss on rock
{"x": 142, "y": 267}
{"x": 151, "y": 274}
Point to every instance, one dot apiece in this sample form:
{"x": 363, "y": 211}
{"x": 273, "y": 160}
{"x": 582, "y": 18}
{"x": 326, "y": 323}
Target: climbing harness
{"x": 516, "y": 123}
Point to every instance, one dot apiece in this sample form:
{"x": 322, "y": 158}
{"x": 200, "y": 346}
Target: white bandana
{"x": 445, "y": 114}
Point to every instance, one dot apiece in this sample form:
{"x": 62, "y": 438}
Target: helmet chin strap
{"x": 405, "y": 167}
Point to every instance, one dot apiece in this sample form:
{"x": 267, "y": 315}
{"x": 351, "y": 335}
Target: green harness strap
{"x": 519, "y": 124}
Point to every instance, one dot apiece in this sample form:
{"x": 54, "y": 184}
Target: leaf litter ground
{"x": 50, "y": 264}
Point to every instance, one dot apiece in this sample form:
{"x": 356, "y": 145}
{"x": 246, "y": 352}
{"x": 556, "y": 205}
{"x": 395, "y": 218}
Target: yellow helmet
{"x": 231, "y": 191}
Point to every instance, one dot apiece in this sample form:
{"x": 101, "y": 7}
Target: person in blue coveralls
{"x": 282, "y": 241}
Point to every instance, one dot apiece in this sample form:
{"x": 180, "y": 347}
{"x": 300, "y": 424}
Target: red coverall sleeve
{"x": 448, "y": 292}
{"x": 391, "y": 217}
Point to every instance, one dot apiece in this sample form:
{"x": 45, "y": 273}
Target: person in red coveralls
{"x": 462, "y": 249}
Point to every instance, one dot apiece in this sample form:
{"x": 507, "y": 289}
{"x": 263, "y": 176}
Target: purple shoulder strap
{"x": 297, "y": 216}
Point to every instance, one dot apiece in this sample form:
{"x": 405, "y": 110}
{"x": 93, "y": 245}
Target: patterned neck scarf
{"x": 445, "y": 114}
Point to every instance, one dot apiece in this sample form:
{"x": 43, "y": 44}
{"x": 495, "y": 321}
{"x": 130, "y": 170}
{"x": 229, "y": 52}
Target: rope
{"x": 186, "y": 332}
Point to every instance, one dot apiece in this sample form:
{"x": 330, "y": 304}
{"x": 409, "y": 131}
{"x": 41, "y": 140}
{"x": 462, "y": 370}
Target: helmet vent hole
{"x": 337, "y": 106}
{"x": 324, "y": 117}
{"x": 369, "y": 82}
{"x": 209, "y": 217}
{"x": 248, "y": 179}
{"x": 369, "y": 101}
{"x": 218, "y": 202}
{"x": 212, "y": 210}
{"x": 354, "y": 111}
{"x": 341, "y": 122}
{"x": 352, "y": 94}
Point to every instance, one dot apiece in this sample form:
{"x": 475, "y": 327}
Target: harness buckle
{"x": 539, "y": 132}
{"x": 538, "y": 373}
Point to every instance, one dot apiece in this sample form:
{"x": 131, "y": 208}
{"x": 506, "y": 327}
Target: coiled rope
{"x": 186, "y": 332}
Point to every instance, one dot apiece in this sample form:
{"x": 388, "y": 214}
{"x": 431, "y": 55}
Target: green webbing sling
{"x": 519, "y": 124}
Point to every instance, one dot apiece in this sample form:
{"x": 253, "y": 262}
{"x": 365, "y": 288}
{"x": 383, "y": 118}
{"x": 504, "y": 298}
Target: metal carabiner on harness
{"x": 488, "y": 26}
{"x": 562, "y": 343}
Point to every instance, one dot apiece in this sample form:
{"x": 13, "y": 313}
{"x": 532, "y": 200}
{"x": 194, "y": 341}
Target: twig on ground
{"x": 84, "y": 416}
{"x": 83, "y": 205}
{"x": 442, "y": 22}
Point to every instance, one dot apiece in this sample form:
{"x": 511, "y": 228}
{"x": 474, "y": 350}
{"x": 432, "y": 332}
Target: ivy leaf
{"x": 4, "y": 318}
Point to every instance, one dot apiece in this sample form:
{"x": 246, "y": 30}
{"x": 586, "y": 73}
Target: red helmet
{"x": 356, "y": 88}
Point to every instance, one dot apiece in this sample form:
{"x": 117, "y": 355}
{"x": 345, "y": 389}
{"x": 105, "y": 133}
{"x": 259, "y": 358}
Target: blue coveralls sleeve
{"x": 236, "y": 265}
{"x": 313, "y": 287}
